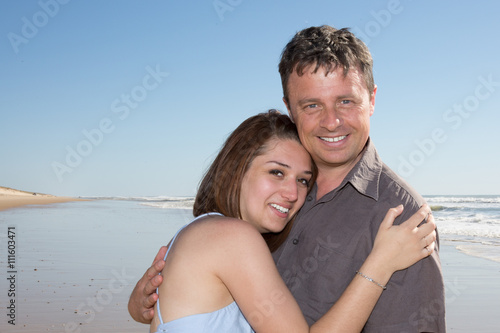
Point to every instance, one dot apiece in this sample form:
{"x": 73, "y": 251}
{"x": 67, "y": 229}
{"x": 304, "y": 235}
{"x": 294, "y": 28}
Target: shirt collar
{"x": 364, "y": 177}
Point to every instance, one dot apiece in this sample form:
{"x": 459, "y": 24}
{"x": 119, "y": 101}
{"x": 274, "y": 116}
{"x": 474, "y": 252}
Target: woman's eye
{"x": 276, "y": 173}
{"x": 304, "y": 182}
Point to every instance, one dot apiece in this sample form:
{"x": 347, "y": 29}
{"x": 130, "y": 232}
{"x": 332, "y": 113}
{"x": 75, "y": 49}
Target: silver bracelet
{"x": 371, "y": 280}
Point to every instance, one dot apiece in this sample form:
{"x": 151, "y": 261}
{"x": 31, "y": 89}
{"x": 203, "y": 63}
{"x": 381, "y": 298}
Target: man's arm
{"x": 422, "y": 288}
{"x": 143, "y": 297}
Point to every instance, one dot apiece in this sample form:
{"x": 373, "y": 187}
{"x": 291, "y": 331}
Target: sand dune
{"x": 10, "y": 198}
{"x": 11, "y": 191}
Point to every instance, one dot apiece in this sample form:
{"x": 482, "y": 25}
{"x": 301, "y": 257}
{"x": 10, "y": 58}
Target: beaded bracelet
{"x": 371, "y": 280}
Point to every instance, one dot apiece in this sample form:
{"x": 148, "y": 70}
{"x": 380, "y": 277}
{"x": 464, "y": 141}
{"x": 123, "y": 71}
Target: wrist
{"x": 376, "y": 269}
{"x": 384, "y": 287}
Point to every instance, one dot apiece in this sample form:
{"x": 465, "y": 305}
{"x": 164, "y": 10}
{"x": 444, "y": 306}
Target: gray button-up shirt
{"x": 333, "y": 235}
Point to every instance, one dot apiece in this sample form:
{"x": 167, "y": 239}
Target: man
{"x": 330, "y": 94}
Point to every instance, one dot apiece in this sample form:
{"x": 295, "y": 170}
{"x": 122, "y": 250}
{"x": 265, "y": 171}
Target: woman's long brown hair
{"x": 219, "y": 190}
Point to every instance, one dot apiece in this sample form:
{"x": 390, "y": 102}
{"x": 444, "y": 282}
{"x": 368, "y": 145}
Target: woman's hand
{"x": 397, "y": 247}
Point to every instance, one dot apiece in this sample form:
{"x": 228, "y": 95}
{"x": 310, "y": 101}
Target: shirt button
{"x": 309, "y": 198}
{"x": 295, "y": 241}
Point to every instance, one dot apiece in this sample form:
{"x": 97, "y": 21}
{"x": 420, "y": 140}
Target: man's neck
{"x": 329, "y": 178}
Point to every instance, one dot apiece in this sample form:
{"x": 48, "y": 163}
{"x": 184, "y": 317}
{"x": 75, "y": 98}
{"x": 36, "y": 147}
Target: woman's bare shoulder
{"x": 220, "y": 232}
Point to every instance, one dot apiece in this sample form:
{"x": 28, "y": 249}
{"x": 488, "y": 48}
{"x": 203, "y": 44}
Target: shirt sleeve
{"x": 414, "y": 300}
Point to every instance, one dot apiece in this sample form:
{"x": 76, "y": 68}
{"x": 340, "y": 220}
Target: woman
{"x": 219, "y": 275}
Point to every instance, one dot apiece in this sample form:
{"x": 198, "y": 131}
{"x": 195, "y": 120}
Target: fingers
{"x": 155, "y": 269}
{"x": 151, "y": 275}
{"x": 161, "y": 254}
{"x": 148, "y": 315}
{"x": 150, "y": 288}
{"x": 391, "y": 216}
{"x": 427, "y": 231}
{"x": 417, "y": 218}
{"x": 427, "y": 228}
{"x": 140, "y": 306}
{"x": 143, "y": 297}
{"x": 427, "y": 251}
{"x": 154, "y": 279}
{"x": 149, "y": 302}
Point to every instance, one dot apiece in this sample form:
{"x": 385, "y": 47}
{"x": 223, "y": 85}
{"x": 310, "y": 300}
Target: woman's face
{"x": 275, "y": 186}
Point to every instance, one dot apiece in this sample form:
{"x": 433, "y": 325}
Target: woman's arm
{"x": 247, "y": 269}
{"x": 395, "y": 248}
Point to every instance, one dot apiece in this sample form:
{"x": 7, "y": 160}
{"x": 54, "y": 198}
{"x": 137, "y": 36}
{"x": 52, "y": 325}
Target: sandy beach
{"x": 10, "y": 198}
{"x": 472, "y": 287}
{"x": 75, "y": 264}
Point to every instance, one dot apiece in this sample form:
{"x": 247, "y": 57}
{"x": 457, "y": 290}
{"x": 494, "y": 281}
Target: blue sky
{"x": 134, "y": 98}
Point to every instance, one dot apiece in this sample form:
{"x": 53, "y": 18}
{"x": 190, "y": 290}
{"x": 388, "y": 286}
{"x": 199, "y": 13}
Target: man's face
{"x": 332, "y": 114}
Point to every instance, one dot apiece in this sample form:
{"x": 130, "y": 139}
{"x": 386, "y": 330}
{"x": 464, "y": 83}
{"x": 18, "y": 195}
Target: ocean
{"x": 471, "y": 223}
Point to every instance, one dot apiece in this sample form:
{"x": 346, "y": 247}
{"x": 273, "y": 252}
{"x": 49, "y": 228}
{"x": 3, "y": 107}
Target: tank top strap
{"x": 168, "y": 250}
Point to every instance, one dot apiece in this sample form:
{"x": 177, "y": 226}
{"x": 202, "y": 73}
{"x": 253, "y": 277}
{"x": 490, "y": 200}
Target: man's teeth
{"x": 280, "y": 208}
{"x": 336, "y": 139}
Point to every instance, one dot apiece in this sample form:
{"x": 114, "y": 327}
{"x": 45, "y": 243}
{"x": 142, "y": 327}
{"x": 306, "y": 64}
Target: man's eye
{"x": 312, "y": 106}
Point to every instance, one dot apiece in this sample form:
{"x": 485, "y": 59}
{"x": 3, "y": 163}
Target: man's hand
{"x": 144, "y": 297}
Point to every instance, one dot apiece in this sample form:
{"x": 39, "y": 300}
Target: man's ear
{"x": 372, "y": 100}
{"x": 289, "y": 110}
